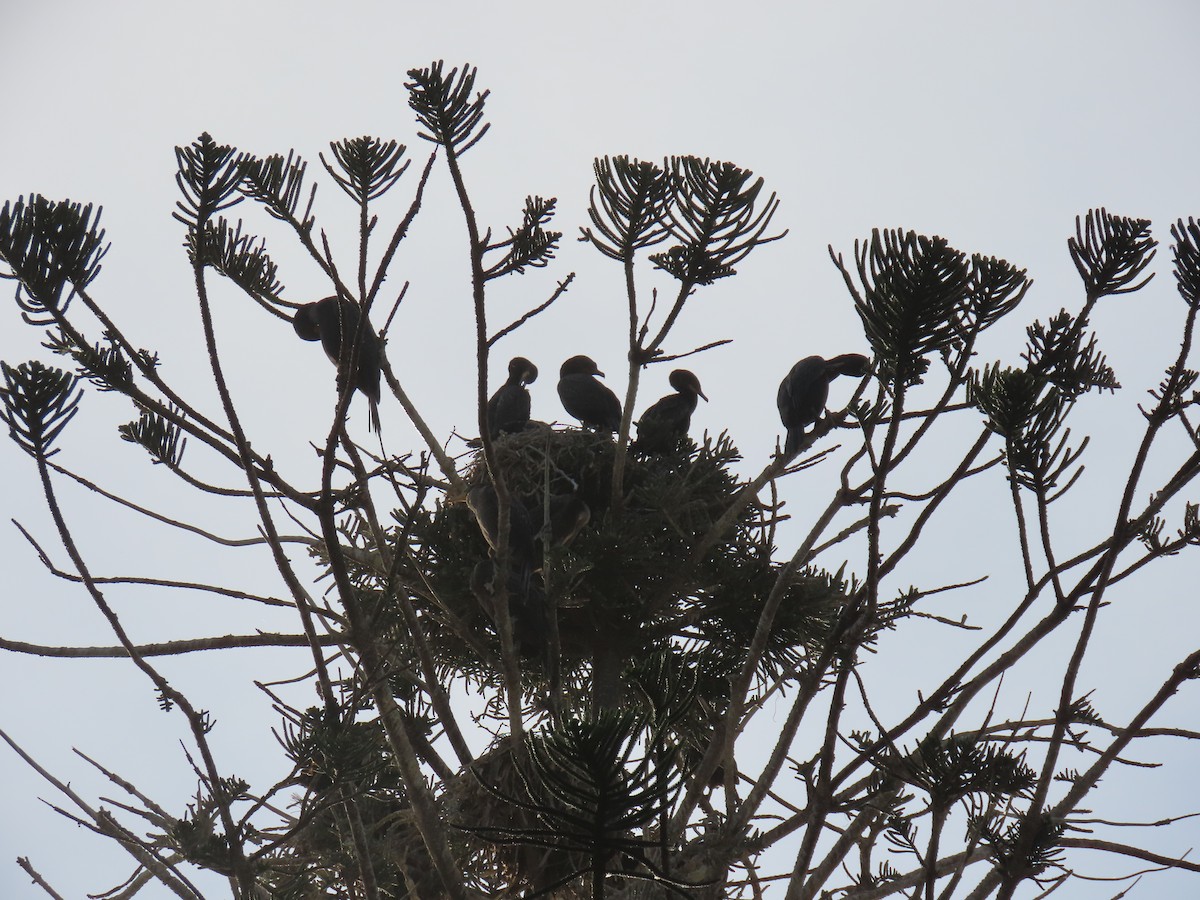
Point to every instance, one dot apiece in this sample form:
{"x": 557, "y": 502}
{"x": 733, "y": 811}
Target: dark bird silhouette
{"x": 569, "y": 515}
{"x": 593, "y": 404}
{"x": 526, "y": 600}
{"x": 484, "y": 503}
{"x": 526, "y": 597}
{"x": 526, "y": 605}
{"x": 664, "y": 424}
{"x": 508, "y": 410}
{"x": 327, "y": 321}
{"x": 802, "y": 394}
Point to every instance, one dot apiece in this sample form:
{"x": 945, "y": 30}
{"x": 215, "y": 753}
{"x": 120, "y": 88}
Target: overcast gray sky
{"x": 991, "y": 124}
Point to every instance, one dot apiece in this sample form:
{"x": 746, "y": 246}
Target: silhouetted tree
{"x": 611, "y": 626}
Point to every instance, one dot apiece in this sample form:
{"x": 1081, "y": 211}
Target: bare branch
{"x": 172, "y": 648}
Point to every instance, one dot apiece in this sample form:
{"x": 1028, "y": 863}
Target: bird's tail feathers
{"x": 795, "y": 437}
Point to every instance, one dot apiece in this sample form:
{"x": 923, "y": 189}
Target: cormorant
{"x": 569, "y": 515}
{"x": 508, "y": 410}
{"x": 802, "y": 394}
{"x": 326, "y": 321}
{"x": 484, "y": 503}
{"x": 526, "y": 605}
{"x": 593, "y": 404}
{"x": 664, "y": 424}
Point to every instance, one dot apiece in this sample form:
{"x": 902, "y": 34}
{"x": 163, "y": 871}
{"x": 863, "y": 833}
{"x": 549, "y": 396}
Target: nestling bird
{"x": 569, "y": 515}
{"x": 327, "y": 321}
{"x": 593, "y": 404}
{"x": 508, "y": 410}
{"x": 664, "y": 424}
{"x": 802, "y": 394}
{"x": 484, "y": 503}
{"x": 526, "y": 605}
{"x": 526, "y": 599}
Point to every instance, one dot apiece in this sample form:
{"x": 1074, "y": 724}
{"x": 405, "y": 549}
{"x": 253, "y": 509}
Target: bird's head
{"x": 306, "y": 324}
{"x": 579, "y": 365}
{"x": 686, "y": 382}
{"x": 853, "y": 364}
{"x": 523, "y": 370}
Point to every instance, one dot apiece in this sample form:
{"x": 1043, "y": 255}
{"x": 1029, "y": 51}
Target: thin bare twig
{"x": 24, "y": 863}
{"x": 171, "y": 648}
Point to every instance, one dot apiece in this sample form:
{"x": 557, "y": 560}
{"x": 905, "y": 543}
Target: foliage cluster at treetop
{"x": 664, "y": 702}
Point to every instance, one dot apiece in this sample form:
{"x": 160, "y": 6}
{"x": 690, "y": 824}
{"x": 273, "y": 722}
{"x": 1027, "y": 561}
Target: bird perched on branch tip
{"x": 328, "y": 321}
{"x": 804, "y": 390}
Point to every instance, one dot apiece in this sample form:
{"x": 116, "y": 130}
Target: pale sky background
{"x": 991, "y": 124}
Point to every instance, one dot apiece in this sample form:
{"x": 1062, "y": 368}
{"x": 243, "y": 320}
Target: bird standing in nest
{"x": 666, "y": 423}
{"x": 593, "y": 404}
{"x": 508, "y": 409}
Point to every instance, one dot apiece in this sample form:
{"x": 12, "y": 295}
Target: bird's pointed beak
{"x": 701, "y": 393}
{"x": 598, "y": 372}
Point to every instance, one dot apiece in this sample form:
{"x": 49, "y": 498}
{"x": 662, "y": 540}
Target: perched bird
{"x": 526, "y": 596}
{"x": 593, "y": 404}
{"x": 569, "y": 515}
{"x": 508, "y": 410}
{"x": 327, "y": 321}
{"x": 664, "y": 424}
{"x": 484, "y": 503}
{"x": 526, "y": 605}
{"x": 802, "y": 394}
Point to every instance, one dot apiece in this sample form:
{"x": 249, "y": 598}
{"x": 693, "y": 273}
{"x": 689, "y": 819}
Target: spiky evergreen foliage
{"x": 716, "y": 218}
{"x": 367, "y": 168}
{"x": 1030, "y": 413}
{"x": 1022, "y": 849}
{"x": 561, "y": 815}
{"x": 617, "y": 679}
{"x": 529, "y": 244}
{"x": 242, "y": 258}
{"x": 103, "y": 364}
{"x": 451, "y": 545}
{"x": 208, "y": 177}
{"x": 1186, "y": 256}
{"x": 50, "y": 246}
{"x": 994, "y": 289}
{"x": 913, "y": 290}
{"x": 676, "y": 627}
{"x": 38, "y": 403}
{"x": 1111, "y": 253}
{"x": 337, "y": 759}
{"x": 613, "y": 586}
{"x": 445, "y": 107}
{"x": 951, "y": 769}
{"x": 278, "y": 184}
{"x": 628, "y": 206}
{"x": 591, "y": 787}
{"x": 160, "y": 437}
{"x": 1056, "y": 351}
